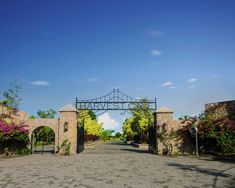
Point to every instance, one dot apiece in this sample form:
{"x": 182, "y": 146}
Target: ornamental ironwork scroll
{"x": 115, "y": 100}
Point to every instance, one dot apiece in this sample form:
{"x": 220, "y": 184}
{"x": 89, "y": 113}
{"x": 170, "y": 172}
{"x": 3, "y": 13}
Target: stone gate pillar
{"x": 68, "y": 127}
{"x": 164, "y": 114}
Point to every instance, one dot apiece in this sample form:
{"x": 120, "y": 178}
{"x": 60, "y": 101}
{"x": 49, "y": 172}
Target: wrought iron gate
{"x": 80, "y": 137}
{"x": 152, "y": 138}
{"x": 116, "y": 100}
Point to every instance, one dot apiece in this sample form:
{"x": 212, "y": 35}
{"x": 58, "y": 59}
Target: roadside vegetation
{"x": 135, "y": 128}
{"x": 93, "y": 130}
{"x": 215, "y": 135}
{"x": 14, "y": 136}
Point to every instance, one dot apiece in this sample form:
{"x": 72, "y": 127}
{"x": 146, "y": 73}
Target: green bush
{"x": 65, "y": 146}
{"x": 215, "y": 135}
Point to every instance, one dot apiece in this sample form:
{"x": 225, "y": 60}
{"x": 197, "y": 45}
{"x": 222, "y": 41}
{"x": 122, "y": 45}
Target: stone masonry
{"x": 224, "y": 109}
{"x": 69, "y": 118}
{"x": 64, "y": 127}
{"x": 168, "y": 124}
{"x": 165, "y": 118}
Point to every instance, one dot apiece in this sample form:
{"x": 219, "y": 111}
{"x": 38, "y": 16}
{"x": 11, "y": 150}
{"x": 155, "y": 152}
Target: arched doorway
{"x": 43, "y": 140}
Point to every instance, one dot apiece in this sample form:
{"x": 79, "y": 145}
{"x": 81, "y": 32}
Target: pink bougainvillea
{"x": 214, "y": 134}
{"x": 13, "y": 131}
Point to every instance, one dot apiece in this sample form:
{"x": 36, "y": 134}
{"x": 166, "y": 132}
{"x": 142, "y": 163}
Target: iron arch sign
{"x": 115, "y": 100}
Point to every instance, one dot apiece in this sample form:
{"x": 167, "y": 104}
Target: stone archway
{"x": 37, "y": 123}
{"x": 43, "y": 140}
{"x": 64, "y": 127}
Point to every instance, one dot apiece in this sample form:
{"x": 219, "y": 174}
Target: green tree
{"x": 46, "y": 113}
{"x": 106, "y": 134}
{"x": 118, "y": 134}
{"x": 127, "y": 130}
{"x": 185, "y": 118}
{"x": 137, "y": 125}
{"x": 12, "y": 95}
{"x": 45, "y": 134}
{"x": 92, "y": 115}
{"x": 91, "y": 125}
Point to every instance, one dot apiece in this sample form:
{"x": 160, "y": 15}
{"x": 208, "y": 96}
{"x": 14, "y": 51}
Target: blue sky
{"x": 182, "y": 52}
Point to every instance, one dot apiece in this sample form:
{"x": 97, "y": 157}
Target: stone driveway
{"x": 114, "y": 164}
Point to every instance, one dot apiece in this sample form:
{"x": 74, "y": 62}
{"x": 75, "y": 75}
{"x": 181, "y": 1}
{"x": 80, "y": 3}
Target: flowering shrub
{"x": 13, "y": 137}
{"x": 214, "y": 135}
{"x": 13, "y": 132}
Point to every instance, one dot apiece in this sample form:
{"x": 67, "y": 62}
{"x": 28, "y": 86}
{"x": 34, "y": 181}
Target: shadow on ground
{"x": 136, "y": 151}
{"x": 120, "y": 143}
{"x": 210, "y": 172}
{"x": 224, "y": 159}
{"x": 43, "y": 152}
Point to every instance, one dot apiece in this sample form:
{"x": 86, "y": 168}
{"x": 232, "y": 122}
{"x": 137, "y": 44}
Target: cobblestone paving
{"x": 114, "y": 165}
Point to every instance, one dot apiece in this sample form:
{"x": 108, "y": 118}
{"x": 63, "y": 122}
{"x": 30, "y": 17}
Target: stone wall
{"x": 19, "y": 118}
{"x": 184, "y": 144}
{"x": 69, "y": 119}
{"x": 68, "y": 115}
{"x": 39, "y": 122}
{"x": 180, "y": 145}
{"x": 224, "y": 109}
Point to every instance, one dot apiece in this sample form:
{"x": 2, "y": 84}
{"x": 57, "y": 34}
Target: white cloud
{"x": 40, "y": 83}
{"x": 167, "y": 84}
{"x": 93, "y": 80}
{"x": 191, "y": 80}
{"x": 156, "y": 52}
{"x": 155, "y": 33}
{"x": 108, "y": 122}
